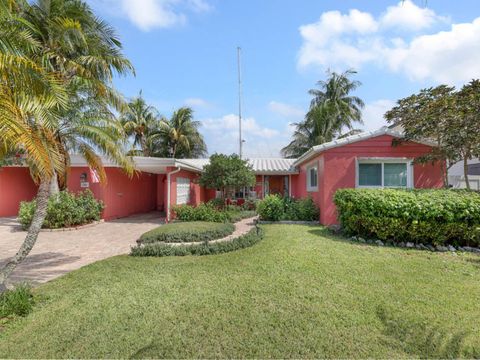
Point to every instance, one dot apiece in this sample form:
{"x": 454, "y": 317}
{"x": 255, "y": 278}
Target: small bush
{"x": 208, "y": 212}
{"x": 437, "y": 217}
{"x": 202, "y": 212}
{"x": 271, "y": 208}
{"x": 217, "y": 203}
{"x": 64, "y": 209}
{"x": 300, "y": 210}
{"x": 17, "y": 302}
{"x": 188, "y": 232}
{"x": 275, "y": 208}
{"x": 160, "y": 249}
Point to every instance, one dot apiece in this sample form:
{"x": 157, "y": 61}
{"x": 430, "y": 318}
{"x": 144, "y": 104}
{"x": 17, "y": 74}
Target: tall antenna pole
{"x": 240, "y": 140}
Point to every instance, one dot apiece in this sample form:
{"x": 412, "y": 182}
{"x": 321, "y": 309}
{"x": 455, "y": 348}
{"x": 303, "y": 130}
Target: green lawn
{"x": 297, "y": 293}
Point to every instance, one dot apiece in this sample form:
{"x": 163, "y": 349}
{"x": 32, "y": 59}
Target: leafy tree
{"x": 332, "y": 110}
{"x": 449, "y": 118}
{"x": 180, "y": 137}
{"x": 141, "y": 121}
{"x": 227, "y": 173}
{"x": 54, "y": 56}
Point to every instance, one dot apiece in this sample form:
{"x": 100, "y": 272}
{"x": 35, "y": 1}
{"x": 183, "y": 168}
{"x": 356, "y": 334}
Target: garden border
{"x": 73, "y": 228}
{"x": 290, "y": 222}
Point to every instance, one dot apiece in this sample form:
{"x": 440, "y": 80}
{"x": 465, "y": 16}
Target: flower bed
{"x": 187, "y": 232}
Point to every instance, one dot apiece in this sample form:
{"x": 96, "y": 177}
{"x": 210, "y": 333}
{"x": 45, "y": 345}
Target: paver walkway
{"x": 57, "y": 253}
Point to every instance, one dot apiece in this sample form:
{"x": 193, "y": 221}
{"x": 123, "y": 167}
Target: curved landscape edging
{"x": 73, "y": 228}
{"x": 246, "y": 235}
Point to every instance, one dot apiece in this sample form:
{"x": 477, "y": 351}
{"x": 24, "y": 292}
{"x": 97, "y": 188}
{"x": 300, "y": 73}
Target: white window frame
{"x": 383, "y": 161}
{"x": 311, "y": 188}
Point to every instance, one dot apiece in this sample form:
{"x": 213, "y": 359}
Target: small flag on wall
{"x": 94, "y": 176}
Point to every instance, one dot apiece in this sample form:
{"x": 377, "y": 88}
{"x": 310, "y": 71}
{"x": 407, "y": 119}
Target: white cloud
{"x": 286, "y": 110}
{"x": 408, "y": 16}
{"x": 249, "y": 126}
{"x": 446, "y": 57}
{"x": 373, "y": 113}
{"x": 221, "y": 135}
{"x": 150, "y": 14}
{"x": 196, "y": 103}
{"x": 355, "y": 39}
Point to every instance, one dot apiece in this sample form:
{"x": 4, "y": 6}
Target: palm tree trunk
{"x": 174, "y": 150}
{"x": 32, "y": 234}
{"x": 465, "y": 172}
{"x": 54, "y": 189}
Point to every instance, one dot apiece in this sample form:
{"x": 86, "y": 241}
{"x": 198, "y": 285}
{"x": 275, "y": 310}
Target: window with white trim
{"x": 384, "y": 173}
{"x": 183, "y": 191}
{"x": 312, "y": 178}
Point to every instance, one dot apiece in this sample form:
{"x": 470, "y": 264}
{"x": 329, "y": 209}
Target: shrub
{"x": 437, "y": 217}
{"x": 18, "y": 301}
{"x": 300, "y": 210}
{"x": 274, "y": 208}
{"x": 64, "y": 209}
{"x": 271, "y": 208}
{"x": 208, "y": 212}
{"x": 202, "y": 212}
{"x": 160, "y": 249}
{"x": 188, "y": 232}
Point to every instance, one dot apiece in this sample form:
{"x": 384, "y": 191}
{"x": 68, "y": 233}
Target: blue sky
{"x": 184, "y": 52}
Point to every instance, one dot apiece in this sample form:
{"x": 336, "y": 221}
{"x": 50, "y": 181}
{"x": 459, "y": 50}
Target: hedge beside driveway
{"x": 195, "y": 231}
{"x": 437, "y": 217}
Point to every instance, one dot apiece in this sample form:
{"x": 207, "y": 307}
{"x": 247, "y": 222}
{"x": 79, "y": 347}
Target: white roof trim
{"x": 352, "y": 139}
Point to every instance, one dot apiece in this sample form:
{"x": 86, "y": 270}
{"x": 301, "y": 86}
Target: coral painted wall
{"x": 123, "y": 196}
{"x": 339, "y": 168}
{"x": 16, "y": 185}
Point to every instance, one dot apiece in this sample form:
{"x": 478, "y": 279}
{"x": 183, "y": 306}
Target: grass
{"x": 194, "y": 231}
{"x": 300, "y": 292}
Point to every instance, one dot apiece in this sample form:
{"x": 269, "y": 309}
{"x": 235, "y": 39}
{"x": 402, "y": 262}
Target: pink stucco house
{"x": 364, "y": 160}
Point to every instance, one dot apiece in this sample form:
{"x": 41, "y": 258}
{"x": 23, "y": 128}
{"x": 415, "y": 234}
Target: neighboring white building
{"x": 456, "y": 178}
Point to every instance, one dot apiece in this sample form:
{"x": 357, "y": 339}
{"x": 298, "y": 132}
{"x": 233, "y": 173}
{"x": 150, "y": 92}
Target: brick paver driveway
{"x": 57, "y": 253}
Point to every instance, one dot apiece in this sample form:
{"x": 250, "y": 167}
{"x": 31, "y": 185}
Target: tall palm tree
{"x": 332, "y": 111}
{"x": 141, "y": 121}
{"x": 55, "y": 54}
{"x": 180, "y": 137}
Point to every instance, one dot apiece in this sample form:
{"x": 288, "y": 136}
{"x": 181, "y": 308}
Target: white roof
{"x": 352, "y": 139}
{"x": 266, "y": 166}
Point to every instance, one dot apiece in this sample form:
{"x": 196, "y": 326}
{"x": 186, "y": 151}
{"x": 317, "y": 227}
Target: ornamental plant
{"x": 64, "y": 209}
{"x": 434, "y": 216}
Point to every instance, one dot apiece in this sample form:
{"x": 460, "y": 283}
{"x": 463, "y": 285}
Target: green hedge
{"x": 188, "y": 232}
{"x": 209, "y": 212}
{"x": 160, "y": 249}
{"x": 65, "y": 209}
{"x": 437, "y": 217}
{"x": 275, "y": 208}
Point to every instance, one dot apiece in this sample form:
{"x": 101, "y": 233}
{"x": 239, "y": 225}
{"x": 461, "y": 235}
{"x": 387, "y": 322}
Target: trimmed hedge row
{"x": 195, "y": 231}
{"x": 209, "y": 212}
{"x": 161, "y": 249}
{"x": 437, "y": 217}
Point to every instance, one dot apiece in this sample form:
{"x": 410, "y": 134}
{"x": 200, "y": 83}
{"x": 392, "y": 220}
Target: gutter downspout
{"x": 168, "y": 191}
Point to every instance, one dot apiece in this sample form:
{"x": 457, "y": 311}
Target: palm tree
{"x": 141, "y": 121}
{"x": 180, "y": 137}
{"x": 332, "y": 111}
{"x": 55, "y": 55}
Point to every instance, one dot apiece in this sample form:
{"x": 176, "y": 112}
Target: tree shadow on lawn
{"x": 423, "y": 341}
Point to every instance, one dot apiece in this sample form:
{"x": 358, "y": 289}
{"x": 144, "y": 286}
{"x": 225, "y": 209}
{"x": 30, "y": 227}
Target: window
{"x": 183, "y": 191}
{"x": 384, "y": 173}
{"x": 312, "y": 178}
